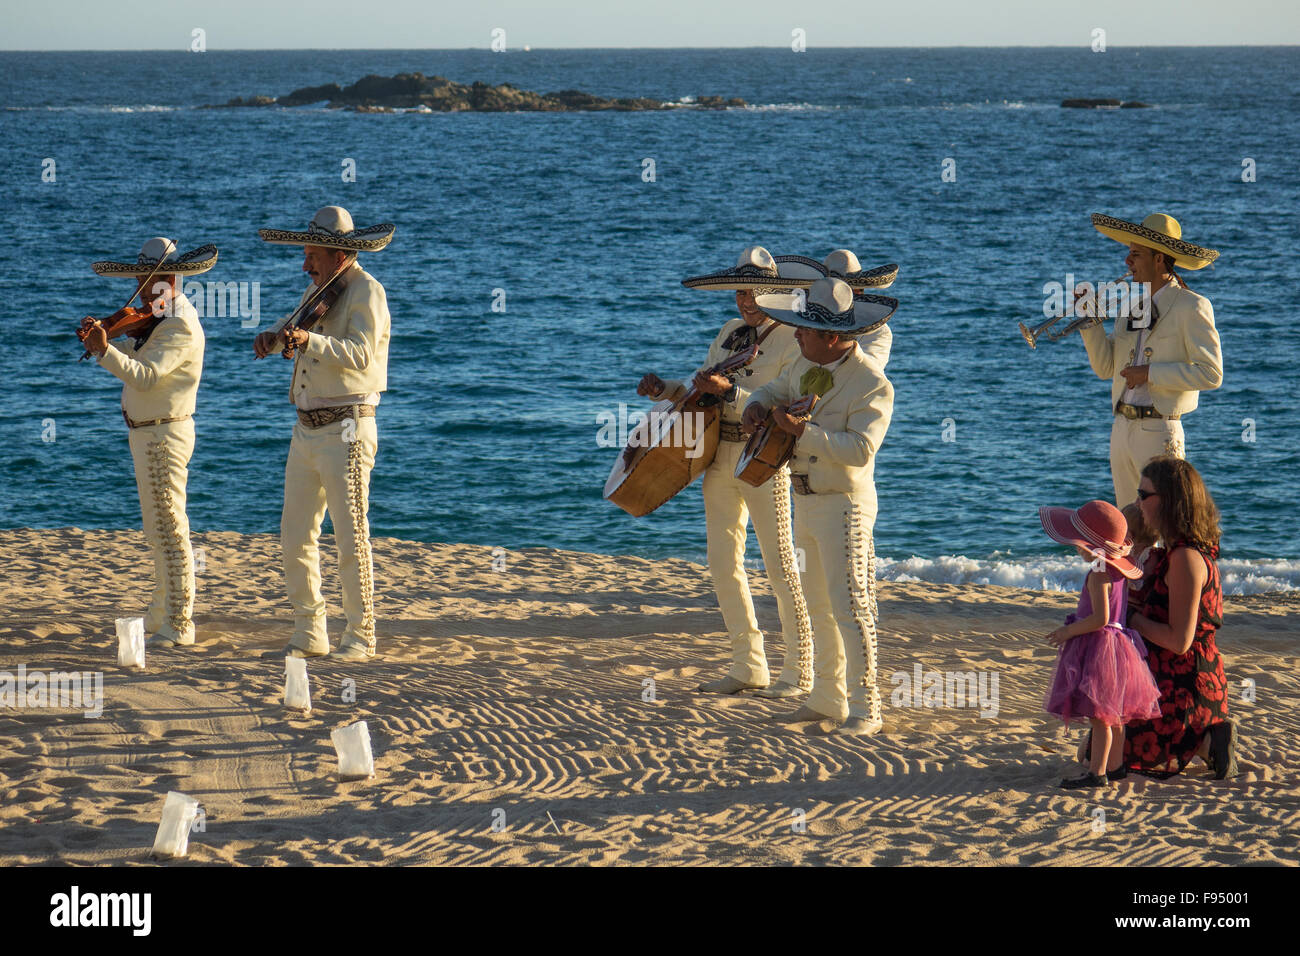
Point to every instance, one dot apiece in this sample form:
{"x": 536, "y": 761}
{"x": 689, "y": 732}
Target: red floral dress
{"x": 1193, "y": 688}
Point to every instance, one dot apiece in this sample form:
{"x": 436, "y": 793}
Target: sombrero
{"x": 843, "y": 264}
{"x": 161, "y": 249}
{"x": 1098, "y": 527}
{"x": 332, "y": 227}
{"x": 831, "y": 306}
{"x": 759, "y": 272}
{"x": 1157, "y": 231}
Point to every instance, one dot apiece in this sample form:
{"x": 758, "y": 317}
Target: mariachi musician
{"x": 1160, "y": 358}
{"x": 160, "y": 371}
{"x": 833, "y": 476}
{"x": 338, "y": 339}
{"x": 729, "y": 504}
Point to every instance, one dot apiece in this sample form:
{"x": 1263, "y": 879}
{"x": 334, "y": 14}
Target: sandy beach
{"x": 551, "y": 693}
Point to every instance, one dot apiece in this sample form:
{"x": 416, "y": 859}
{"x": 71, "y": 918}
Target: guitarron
{"x": 770, "y": 447}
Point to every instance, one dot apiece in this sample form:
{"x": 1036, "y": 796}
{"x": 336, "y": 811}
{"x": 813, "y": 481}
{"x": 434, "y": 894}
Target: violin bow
{"x": 312, "y": 300}
{"x": 171, "y": 247}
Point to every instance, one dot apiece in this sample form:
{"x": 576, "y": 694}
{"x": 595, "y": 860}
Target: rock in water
{"x": 377, "y": 94}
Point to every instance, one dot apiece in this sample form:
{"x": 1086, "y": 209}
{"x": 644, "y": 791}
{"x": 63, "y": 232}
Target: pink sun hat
{"x": 1099, "y": 527}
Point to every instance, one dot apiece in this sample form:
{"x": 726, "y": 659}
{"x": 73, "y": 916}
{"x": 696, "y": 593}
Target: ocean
{"x": 489, "y": 429}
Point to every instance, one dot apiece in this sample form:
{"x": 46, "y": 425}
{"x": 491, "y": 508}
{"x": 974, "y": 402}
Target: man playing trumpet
{"x": 1161, "y": 355}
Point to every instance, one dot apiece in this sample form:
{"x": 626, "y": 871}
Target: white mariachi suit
{"x": 1184, "y": 357}
{"x": 833, "y": 473}
{"x": 343, "y": 366}
{"x": 160, "y": 381}
{"x": 729, "y": 504}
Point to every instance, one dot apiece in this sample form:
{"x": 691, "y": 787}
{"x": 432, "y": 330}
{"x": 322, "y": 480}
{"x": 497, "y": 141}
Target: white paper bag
{"x": 179, "y": 813}
{"x": 353, "y": 746}
{"x": 130, "y": 641}
{"x": 297, "y": 690}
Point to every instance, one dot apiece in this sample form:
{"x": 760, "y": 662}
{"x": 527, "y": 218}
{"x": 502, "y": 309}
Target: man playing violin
{"x": 160, "y": 373}
{"x": 340, "y": 370}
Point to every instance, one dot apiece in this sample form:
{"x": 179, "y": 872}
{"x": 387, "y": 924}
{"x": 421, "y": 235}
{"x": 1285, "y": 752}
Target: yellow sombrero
{"x": 1157, "y": 231}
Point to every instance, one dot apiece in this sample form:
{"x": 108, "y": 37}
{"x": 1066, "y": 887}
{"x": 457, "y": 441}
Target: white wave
{"x": 1061, "y": 573}
{"x": 789, "y": 107}
{"x": 146, "y": 108}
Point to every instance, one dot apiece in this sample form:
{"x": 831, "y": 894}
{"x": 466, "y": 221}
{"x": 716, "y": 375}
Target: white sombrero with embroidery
{"x": 830, "y": 305}
{"x": 332, "y": 227}
{"x": 760, "y": 272}
{"x": 843, "y": 264}
{"x": 156, "y": 250}
{"x": 1159, "y": 232}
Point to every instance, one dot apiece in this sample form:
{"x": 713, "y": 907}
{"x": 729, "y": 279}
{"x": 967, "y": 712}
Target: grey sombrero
{"x": 832, "y": 306}
{"x": 1157, "y": 231}
{"x": 156, "y": 250}
{"x": 332, "y": 227}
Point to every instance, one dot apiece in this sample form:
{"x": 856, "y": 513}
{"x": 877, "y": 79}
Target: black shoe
{"x": 1087, "y": 781}
{"x": 1223, "y": 750}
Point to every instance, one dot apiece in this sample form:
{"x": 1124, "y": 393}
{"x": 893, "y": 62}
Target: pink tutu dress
{"x": 1103, "y": 674}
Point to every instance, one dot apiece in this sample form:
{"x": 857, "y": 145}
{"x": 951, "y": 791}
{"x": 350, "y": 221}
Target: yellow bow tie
{"x": 816, "y": 381}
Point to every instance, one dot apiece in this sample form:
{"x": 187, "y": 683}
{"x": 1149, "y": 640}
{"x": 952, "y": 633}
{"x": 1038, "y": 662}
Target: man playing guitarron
{"x": 832, "y": 474}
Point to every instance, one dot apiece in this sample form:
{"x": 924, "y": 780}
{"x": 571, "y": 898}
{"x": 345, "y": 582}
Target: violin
{"x": 313, "y": 310}
{"x": 127, "y": 320}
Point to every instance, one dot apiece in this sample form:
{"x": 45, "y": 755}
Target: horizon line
{"x": 531, "y": 49}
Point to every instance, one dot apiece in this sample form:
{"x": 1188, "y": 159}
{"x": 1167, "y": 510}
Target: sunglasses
{"x": 1144, "y": 495}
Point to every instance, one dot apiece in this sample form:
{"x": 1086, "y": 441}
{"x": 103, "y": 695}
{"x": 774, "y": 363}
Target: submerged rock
{"x": 1105, "y": 104}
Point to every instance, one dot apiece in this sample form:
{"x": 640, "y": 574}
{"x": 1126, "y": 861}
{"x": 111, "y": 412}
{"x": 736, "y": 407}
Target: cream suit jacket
{"x": 1185, "y": 353}
{"x": 775, "y": 355}
{"x": 837, "y": 450}
{"x": 347, "y": 350}
{"x": 161, "y": 378}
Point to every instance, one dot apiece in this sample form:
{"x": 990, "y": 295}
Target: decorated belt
{"x": 1134, "y": 412}
{"x": 730, "y": 431}
{"x": 318, "y": 417}
{"x": 132, "y": 423}
{"x": 799, "y": 485}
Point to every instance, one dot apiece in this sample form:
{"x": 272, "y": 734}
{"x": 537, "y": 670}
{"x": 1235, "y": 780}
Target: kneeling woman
{"x": 1177, "y": 611}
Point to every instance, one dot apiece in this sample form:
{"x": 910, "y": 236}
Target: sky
{"x": 433, "y": 24}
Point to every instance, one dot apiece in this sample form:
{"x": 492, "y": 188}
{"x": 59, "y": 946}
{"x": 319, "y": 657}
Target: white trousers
{"x": 327, "y": 472}
{"x": 729, "y": 505}
{"x": 840, "y": 583}
{"x": 1133, "y": 443}
{"x": 161, "y": 454}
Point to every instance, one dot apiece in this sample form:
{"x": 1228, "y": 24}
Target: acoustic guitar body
{"x": 664, "y": 454}
{"x": 769, "y": 448}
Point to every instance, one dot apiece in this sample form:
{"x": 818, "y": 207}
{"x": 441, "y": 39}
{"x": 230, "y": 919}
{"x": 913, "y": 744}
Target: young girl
{"x": 1101, "y": 670}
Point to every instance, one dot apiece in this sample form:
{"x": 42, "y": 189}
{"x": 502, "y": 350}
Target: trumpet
{"x": 1082, "y": 320}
